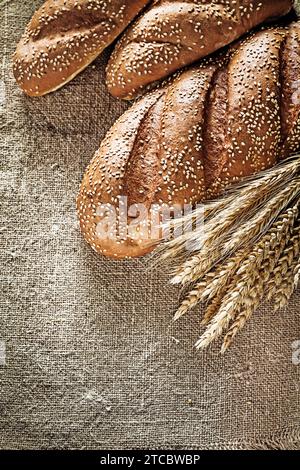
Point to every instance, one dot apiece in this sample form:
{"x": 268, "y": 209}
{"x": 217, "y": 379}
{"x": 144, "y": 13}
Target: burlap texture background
{"x": 91, "y": 358}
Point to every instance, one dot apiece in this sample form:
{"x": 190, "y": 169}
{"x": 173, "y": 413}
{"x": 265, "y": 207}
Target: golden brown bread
{"x": 64, "y": 37}
{"x": 173, "y": 33}
{"x": 222, "y": 120}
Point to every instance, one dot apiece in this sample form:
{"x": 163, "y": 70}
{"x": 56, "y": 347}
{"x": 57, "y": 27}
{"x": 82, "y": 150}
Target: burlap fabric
{"x": 89, "y": 359}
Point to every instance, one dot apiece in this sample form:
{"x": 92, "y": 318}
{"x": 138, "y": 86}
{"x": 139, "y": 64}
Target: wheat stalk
{"x": 236, "y": 205}
{"x": 250, "y": 281}
{"x": 227, "y": 311}
{"x": 213, "y": 307}
{"x": 242, "y": 300}
{"x": 258, "y": 224}
{"x": 249, "y": 250}
{"x": 285, "y": 276}
{"x": 198, "y": 265}
{"x": 211, "y": 285}
{"x": 216, "y": 281}
{"x": 290, "y": 283}
{"x": 287, "y": 253}
{"x": 256, "y": 288}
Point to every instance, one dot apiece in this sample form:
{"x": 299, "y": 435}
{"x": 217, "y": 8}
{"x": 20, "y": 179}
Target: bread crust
{"x": 172, "y": 34}
{"x": 207, "y": 128}
{"x": 64, "y": 37}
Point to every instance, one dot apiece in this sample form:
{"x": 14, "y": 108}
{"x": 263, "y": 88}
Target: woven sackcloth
{"x": 88, "y": 355}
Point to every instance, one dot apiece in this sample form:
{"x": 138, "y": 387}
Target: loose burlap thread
{"x": 90, "y": 358}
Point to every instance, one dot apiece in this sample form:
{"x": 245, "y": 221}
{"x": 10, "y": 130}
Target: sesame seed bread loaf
{"x": 229, "y": 117}
{"x": 173, "y": 33}
{"x": 64, "y": 37}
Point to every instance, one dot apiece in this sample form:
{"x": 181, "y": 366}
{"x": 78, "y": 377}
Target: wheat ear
{"x": 285, "y": 291}
{"x": 284, "y": 278}
{"x": 249, "y": 249}
{"x": 198, "y": 265}
{"x": 211, "y": 285}
{"x": 214, "y": 283}
{"x": 249, "y": 282}
{"x": 285, "y": 227}
{"x": 237, "y": 203}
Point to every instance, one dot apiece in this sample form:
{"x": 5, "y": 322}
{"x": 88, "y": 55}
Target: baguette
{"x": 172, "y": 34}
{"x": 225, "y": 119}
{"x": 64, "y": 37}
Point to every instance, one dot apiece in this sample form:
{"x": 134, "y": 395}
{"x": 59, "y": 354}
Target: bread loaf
{"x": 212, "y": 125}
{"x": 64, "y": 36}
{"x": 172, "y": 34}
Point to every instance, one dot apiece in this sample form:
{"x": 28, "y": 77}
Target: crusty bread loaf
{"x": 222, "y": 120}
{"x": 64, "y": 36}
{"x": 172, "y": 34}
